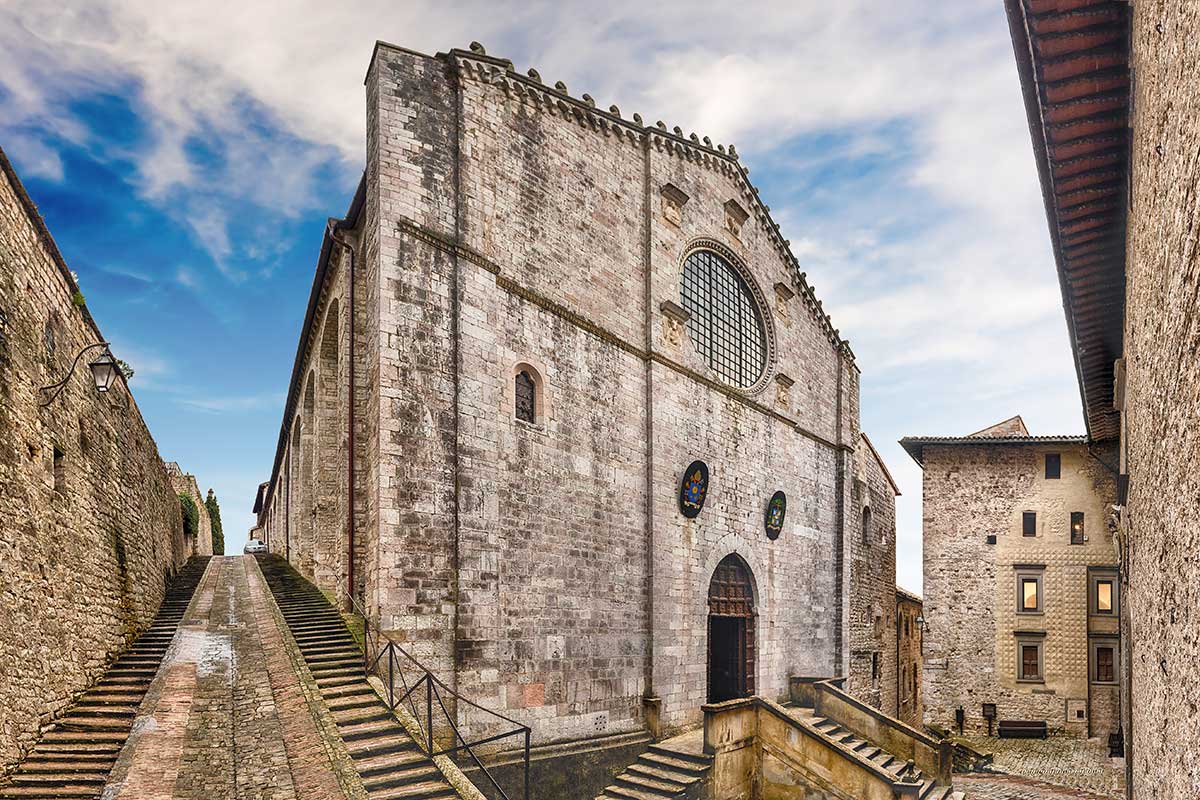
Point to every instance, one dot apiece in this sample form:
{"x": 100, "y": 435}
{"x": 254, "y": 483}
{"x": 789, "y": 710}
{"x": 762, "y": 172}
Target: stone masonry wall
{"x": 910, "y": 708}
{"x": 185, "y": 483}
{"x": 90, "y": 526}
{"x": 873, "y": 661}
{"x": 545, "y": 568}
{"x": 971, "y": 492}
{"x": 1162, "y": 394}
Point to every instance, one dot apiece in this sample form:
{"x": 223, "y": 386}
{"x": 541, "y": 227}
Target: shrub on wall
{"x": 214, "y": 513}
{"x": 191, "y": 515}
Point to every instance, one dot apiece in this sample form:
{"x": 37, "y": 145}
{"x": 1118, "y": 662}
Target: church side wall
{"x": 87, "y": 539}
{"x": 873, "y": 661}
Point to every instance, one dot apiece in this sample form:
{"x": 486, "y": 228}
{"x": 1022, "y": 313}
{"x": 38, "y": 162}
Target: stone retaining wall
{"x": 90, "y": 526}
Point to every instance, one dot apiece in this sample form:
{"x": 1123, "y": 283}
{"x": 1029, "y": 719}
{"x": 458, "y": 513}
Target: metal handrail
{"x": 434, "y": 686}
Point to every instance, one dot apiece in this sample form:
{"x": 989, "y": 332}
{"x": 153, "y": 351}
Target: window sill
{"x": 1032, "y": 681}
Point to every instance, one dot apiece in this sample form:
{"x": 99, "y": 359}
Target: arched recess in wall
{"x": 527, "y": 395}
{"x": 292, "y": 490}
{"x": 866, "y": 525}
{"x": 329, "y": 467}
{"x": 305, "y": 492}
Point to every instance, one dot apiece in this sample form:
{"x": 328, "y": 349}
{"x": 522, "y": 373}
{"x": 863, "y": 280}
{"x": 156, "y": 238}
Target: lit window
{"x": 725, "y": 325}
{"x": 1076, "y": 527}
{"x": 1053, "y": 465}
{"x": 1029, "y": 594}
{"x": 1104, "y": 595}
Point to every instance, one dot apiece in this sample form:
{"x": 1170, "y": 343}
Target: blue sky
{"x": 185, "y": 157}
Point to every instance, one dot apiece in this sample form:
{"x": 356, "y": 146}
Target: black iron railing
{"x": 384, "y": 657}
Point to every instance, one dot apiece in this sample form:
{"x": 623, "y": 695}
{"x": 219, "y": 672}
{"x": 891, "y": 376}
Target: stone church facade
{"x": 538, "y": 322}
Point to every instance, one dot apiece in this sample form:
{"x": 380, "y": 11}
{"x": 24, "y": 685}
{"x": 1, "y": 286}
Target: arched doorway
{"x": 730, "y": 631}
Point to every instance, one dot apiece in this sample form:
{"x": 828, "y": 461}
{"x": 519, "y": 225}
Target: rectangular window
{"x": 1076, "y": 527}
{"x": 1105, "y": 667}
{"x": 1029, "y": 593}
{"x": 1029, "y": 523}
{"x": 1103, "y": 594}
{"x": 1053, "y": 466}
{"x": 1029, "y": 661}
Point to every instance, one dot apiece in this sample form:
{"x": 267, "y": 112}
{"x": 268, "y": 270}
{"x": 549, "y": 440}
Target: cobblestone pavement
{"x": 223, "y": 719}
{"x": 1013, "y": 787}
{"x": 1065, "y": 762}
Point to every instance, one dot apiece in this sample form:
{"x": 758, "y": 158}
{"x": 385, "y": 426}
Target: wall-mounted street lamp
{"x": 104, "y": 372}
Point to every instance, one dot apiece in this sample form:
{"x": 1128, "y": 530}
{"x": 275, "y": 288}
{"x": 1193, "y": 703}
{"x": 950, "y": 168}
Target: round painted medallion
{"x": 776, "y": 511}
{"x": 693, "y": 489}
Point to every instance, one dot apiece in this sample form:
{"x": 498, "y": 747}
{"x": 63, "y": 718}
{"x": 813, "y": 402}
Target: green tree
{"x": 191, "y": 515}
{"x": 218, "y": 533}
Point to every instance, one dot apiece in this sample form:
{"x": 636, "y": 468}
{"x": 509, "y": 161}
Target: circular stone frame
{"x": 760, "y": 305}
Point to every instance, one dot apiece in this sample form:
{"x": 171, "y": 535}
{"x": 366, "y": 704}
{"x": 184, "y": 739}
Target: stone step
{"x": 425, "y": 772}
{"x": 678, "y": 766}
{"x": 650, "y": 783}
{"x": 430, "y": 790}
{"x": 370, "y": 766}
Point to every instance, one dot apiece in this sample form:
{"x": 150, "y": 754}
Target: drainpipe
{"x": 350, "y": 415}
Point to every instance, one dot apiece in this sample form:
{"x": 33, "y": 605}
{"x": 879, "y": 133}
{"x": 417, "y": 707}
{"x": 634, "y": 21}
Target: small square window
{"x": 1077, "y": 527}
{"x": 1030, "y": 665}
{"x": 1053, "y": 466}
{"x": 1029, "y": 523}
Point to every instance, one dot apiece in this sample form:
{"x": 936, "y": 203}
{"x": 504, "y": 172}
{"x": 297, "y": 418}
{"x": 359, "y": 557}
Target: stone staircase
{"x": 674, "y": 768}
{"x": 389, "y": 762}
{"x": 73, "y": 759}
{"x": 842, "y": 739}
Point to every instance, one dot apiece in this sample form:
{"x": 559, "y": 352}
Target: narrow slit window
{"x": 60, "y": 471}
{"x": 1029, "y": 523}
{"x": 866, "y": 526}
{"x": 526, "y": 398}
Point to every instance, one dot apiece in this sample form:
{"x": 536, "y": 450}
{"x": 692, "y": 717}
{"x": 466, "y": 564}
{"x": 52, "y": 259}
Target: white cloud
{"x": 952, "y": 305}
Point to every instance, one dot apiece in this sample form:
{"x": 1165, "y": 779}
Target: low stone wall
{"x": 933, "y": 757}
{"x": 570, "y": 771}
{"x": 759, "y": 751}
{"x": 90, "y": 527}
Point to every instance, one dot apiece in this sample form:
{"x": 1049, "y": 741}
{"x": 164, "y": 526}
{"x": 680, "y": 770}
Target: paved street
{"x": 1013, "y": 787}
{"x": 221, "y": 719}
{"x": 1056, "y": 760}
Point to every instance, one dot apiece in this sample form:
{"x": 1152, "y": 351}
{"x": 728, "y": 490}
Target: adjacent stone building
{"x": 567, "y": 417}
{"x": 90, "y": 527}
{"x": 1022, "y": 597}
{"x": 910, "y": 624}
{"x": 185, "y": 484}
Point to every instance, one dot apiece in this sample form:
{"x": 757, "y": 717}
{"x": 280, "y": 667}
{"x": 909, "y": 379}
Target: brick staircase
{"x": 389, "y": 762}
{"x": 73, "y": 759}
{"x": 674, "y": 768}
{"x": 842, "y": 739}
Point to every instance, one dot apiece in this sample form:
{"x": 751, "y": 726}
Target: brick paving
{"x": 223, "y": 719}
{"x": 1055, "y": 766}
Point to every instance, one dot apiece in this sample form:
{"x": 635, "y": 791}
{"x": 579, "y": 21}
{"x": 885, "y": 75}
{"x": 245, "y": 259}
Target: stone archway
{"x": 731, "y": 631}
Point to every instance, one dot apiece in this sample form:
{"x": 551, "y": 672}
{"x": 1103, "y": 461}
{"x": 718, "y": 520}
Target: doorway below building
{"x": 731, "y": 618}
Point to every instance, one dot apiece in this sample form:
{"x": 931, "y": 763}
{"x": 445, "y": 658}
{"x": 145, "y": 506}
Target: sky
{"x": 186, "y": 156}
